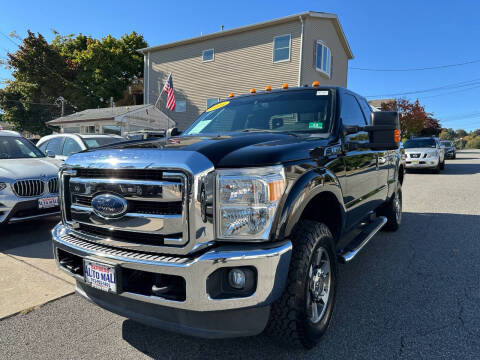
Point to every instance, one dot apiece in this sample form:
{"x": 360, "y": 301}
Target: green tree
{"x": 473, "y": 143}
{"x": 447, "y": 134}
{"x": 85, "y": 71}
{"x": 460, "y": 133}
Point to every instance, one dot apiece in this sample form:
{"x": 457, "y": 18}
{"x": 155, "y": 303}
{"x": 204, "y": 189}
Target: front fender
{"x": 305, "y": 189}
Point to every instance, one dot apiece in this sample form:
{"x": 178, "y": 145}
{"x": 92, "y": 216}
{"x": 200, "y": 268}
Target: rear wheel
{"x": 302, "y": 314}
{"x": 393, "y": 211}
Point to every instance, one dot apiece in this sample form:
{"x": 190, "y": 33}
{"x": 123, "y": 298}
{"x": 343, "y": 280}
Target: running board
{"x": 361, "y": 240}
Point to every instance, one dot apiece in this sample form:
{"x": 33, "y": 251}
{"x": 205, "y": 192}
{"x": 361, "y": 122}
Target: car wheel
{"x": 302, "y": 314}
{"x": 436, "y": 170}
{"x": 442, "y": 165}
{"x": 393, "y": 211}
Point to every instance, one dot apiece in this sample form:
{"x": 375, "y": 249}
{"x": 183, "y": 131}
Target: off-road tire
{"x": 289, "y": 322}
{"x": 392, "y": 212}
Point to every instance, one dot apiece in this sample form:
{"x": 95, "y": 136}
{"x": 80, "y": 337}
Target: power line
{"x": 450, "y": 86}
{"x": 450, "y": 92}
{"x": 418, "y": 69}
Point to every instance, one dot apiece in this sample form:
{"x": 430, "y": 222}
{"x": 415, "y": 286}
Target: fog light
{"x": 236, "y": 278}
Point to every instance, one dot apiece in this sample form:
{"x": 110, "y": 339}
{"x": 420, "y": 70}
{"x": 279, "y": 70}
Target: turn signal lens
{"x": 268, "y": 88}
{"x": 253, "y": 91}
{"x": 396, "y": 135}
{"x": 285, "y": 86}
{"x": 275, "y": 189}
{"x": 316, "y": 83}
{"x": 231, "y": 95}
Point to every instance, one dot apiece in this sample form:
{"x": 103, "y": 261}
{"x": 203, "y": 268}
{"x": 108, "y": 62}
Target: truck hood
{"x": 14, "y": 169}
{"x": 240, "y": 150}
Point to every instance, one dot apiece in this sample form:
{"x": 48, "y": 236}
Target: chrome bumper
{"x": 271, "y": 262}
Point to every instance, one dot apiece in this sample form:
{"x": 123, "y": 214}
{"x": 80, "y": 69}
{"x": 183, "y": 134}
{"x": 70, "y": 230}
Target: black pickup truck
{"x": 236, "y": 226}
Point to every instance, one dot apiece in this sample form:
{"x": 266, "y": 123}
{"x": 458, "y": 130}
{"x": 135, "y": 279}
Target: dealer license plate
{"x": 49, "y": 202}
{"x": 100, "y": 276}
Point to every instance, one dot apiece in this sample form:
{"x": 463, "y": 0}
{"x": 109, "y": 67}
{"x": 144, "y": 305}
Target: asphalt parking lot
{"x": 408, "y": 295}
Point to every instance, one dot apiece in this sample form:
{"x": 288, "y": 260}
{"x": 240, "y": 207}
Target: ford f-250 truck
{"x": 237, "y": 225}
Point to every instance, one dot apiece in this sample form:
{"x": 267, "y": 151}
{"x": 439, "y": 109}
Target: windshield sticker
{"x": 200, "y": 126}
{"x": 218, "y": 106}
{"x": 322, "y": 92}
{"x": 315, "y": 125}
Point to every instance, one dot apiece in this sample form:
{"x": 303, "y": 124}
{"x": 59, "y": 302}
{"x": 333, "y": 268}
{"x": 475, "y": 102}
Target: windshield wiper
{"x": 255, "y": 130}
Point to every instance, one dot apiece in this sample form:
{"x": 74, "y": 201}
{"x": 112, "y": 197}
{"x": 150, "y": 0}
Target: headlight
{"x": 433, "y": 154}
{"x": 2, "y": 185}
{"x": 246, "y": 201}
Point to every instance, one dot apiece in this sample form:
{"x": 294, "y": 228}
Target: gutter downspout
{"x": 301, "y": 53}
{"x": 146, "y": 100}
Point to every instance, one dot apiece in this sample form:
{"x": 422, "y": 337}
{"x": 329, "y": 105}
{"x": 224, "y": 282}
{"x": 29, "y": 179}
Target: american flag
{"x": 168, "y": 89}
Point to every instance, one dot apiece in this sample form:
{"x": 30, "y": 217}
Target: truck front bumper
{"x": 199, "y": 313}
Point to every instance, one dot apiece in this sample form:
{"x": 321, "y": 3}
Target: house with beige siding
{"x": 296, "y": 50}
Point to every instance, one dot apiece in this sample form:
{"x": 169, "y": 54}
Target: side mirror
{"x": 50, "y": 153}
{"x": 384, "y": 133}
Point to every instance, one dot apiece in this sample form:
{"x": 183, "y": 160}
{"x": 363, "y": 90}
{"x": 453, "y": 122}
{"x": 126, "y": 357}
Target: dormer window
{"x": 323, "y": 58}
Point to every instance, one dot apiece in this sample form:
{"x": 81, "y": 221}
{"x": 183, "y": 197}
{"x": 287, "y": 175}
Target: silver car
{"x": 28, "y": 180}
{"x": 424, "y": 153}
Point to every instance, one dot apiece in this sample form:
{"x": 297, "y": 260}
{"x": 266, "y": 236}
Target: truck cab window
{"x": 351, "y": 113}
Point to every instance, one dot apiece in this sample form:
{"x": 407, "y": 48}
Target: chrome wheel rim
{"x": 319, "y": 283}
{"x": 398, "y": 207}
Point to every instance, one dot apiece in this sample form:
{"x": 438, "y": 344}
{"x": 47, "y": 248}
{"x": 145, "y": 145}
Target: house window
{"x": 181, "y": 106}
{"x": 208, "y": 55}
{"x": 212, "y": 101}
{"x": 323, "y": 61}
{"x": 281, "y": 48}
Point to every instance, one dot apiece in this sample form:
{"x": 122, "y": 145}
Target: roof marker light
{"x": 268, "y": 88}
{"x": 285, "y": 86}
{"x": 231, "y": 95}
{"x": 253, "y": 91}
{"x": 316, "y": 83}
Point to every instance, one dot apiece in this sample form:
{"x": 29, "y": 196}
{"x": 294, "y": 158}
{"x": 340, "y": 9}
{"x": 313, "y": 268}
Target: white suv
{"x": 28, "y": 180}
{"x": 61, "y": 146}
{"x": 424, "y": 153}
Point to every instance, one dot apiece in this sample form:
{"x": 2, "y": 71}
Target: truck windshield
{"x": 420, "y": 143}
{"x": 18, "y": 148}
{"x": 289, "y": 111}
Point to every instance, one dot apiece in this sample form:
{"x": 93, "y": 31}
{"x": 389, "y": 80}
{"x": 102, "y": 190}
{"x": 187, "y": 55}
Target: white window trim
{"x": 289, "y": 48}
{"x": 203, "y": 53}
{"x": 321, "y": 42}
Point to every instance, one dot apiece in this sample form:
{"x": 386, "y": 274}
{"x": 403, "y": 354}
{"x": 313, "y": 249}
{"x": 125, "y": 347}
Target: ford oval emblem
{"x": 109, "y": 206}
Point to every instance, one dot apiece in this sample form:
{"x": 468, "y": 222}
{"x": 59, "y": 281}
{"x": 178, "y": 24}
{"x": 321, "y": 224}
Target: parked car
{"x": 450, "y": 149}
{"x": 61, "y": 146}
{"x": 237, "y": 225}
{"x": 144, "y": 134}
{"x": 28, "y": 180}
{"x": 424, "y": 153}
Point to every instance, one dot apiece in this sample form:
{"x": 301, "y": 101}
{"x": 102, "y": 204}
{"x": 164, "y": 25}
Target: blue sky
{"x": 382, "y": 34}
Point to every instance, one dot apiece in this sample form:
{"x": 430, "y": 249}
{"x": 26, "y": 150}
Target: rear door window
{"x": 70, "y": 147}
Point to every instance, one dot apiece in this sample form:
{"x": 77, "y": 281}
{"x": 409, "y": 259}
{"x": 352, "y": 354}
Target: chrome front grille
{"x": 53, "y": 186}
{"x": 168, "y": 195}
{"x": 156, "y": 214}
{"x": 29, "y": 188}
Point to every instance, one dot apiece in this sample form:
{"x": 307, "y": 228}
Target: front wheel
{"x": 302, "y": 314}
{"x": 442, "y": 165}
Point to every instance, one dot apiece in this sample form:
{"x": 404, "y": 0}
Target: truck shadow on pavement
{"x": 408, "y": 293}
{"x": 29, "y": 239}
